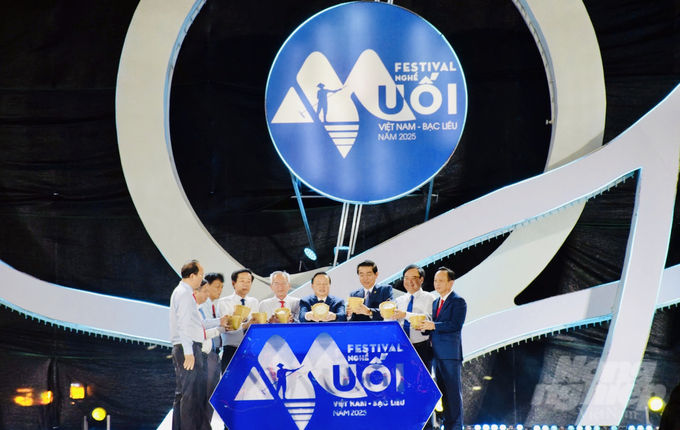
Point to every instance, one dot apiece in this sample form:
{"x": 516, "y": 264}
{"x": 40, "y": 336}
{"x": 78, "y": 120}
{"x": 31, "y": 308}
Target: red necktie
{"x": 214, "y": 315}
{"x": 441, "y": 302}
{"x": 282, "y": 303}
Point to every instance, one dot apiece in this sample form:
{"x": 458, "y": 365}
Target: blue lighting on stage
{"x": 309, "y": 252}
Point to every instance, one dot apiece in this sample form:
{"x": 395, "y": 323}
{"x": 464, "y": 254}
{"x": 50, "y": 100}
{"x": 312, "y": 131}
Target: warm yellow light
{"x": 476, "y": 388}
{"x": 45, "y": 397}
{"x": 488, "y": 378}
{"x": 439, "y": 407}
{"x": 77, "y": 391}
{"x": 24, "y": 400}
{"x": 655, "y": 404}
{"x": 99, "y": 414}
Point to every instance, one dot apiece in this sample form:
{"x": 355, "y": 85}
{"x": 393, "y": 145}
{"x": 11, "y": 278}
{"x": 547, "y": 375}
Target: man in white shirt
{"x": 241, "y": 280}
{"x": 416, "y": 302}
{"x": 280, "y": 285}
{"x": 187, "y": 335}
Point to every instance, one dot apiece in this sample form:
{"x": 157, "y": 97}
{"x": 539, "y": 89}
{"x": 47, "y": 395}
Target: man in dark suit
{"x": 448, "y": 316}
{"x": 372, "y": 294}
{"x": 321, "y": 285}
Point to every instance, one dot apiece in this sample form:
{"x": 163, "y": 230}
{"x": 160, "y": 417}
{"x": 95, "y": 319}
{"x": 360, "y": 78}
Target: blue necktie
{"x": 407, "y": 325}
{"x": 243, "y": 302}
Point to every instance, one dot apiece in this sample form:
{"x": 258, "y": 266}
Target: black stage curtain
{"x": 66, "y": 215}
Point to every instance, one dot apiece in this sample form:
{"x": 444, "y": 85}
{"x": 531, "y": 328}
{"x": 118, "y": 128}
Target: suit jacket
{"x": 446, "y": 341}
{"x": 379, "y": 294}
{"x": 335, "y": 305}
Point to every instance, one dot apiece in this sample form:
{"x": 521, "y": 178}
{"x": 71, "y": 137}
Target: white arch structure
{"x": 540, "y": 211}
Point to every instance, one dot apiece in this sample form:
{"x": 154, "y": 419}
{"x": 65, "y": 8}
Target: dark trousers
{"x": 447, "y": 373}
{"x": 227, "y": 353}
{"x": 425, "y": 353}
{"x": 213, "y": 374}
{"x": 191, "y": 391}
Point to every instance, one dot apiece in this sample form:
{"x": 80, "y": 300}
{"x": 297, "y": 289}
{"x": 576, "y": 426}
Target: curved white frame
{"x": 159, "y": 27}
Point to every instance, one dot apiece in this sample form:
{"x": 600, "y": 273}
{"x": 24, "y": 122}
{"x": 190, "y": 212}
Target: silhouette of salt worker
{"x": 281, "y": 375}
{"x": 322, "y": 101}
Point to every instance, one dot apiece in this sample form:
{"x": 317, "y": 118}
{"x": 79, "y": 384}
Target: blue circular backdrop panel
{"x": 366, "y": 102}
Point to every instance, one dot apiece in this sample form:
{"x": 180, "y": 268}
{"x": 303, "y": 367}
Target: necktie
{"x": 243, "y": 302}
{"x": 282, "y": 303}
{"x": 407, "y": 324}
{"x": 441, "y": 302}
{"x": 217, "y": 341}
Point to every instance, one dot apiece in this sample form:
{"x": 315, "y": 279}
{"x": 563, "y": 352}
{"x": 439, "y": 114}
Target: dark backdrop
{"x": 66, "y": 215}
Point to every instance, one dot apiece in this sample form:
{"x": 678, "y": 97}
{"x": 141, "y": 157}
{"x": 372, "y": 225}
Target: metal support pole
{"x": 85, "y": 422}
{"x": 341, "y": 232}
{"x": 355, "y": 229}
{"x": 429, "y": 199}
{"x": 352, "y": 232}
{"x": 296, "y": 186}
{"x": 108, "y": 422}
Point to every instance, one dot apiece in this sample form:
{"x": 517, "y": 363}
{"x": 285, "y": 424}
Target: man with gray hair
{"x": 280, "y": 285}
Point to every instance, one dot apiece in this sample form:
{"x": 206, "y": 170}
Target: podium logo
{"x": 289, "y": 381}
{"x": 360, "y": 91}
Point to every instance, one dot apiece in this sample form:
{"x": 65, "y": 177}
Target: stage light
{"x": 487, "y": 378}
{"x": 614, "y": 428}
{"x": 596, "y": 428}
{"x": 631, "y": 427}
{"x": 649, "y": 428}
{"x": 536, "y": 427}
{"x": 485, "y": 427}
{"x": 655, "y": 404}
{"x": 640, "y": 427}
{"x": 77, "y": 391}
{"x": 545, "y": 427}
{"x": 589, "y": 428}
{"x": 478, "y": 427}
{"x": 24, "y": 400}
{"x": 579, "y": 427}
{"x": 519, "y": 427}
{"x": 440, "y": 407}
{"x": 99, "y": 414}
{"x": 553, "y": 427}
{"x": 502, "y": 427}
{"x": 571, "y": 428}
{"x": 476, "y": 388}
{"x": 309, "y": 252}
{"x": 46, "y": 397}
{"x": 494, "y": 427}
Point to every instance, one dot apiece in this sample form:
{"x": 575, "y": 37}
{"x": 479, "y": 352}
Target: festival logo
{"x": 366, "y": 102}
{"x": 326, "y": 376}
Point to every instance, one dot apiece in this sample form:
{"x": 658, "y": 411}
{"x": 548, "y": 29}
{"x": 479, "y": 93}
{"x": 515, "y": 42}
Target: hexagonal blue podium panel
{"x": 333, "y": 376}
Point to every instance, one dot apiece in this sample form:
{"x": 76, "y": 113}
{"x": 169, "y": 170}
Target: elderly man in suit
{"x": 448, "y": 316}
{"x": 321, "y": 285}
{"x": 372, "y": 294}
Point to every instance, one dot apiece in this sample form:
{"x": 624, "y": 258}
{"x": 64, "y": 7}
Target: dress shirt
{"x": 186, "y": 324}
{"x": 272, "y": 304}
{"x": 211, "y": 319}
{"x": 422, "y": 305}
{"x": 225, "y": 306}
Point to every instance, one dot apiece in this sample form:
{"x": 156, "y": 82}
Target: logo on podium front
{"x": 330, "y": 376}
{"x": 366, "y": 102}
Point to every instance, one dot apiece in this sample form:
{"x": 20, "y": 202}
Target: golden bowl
{"x": 320, "y": 310}
{"x": 387, "y": 309}
{"x": 354, "y": 302}
{"x": 260, "y": 317}
{"x": 242, "y": 311}
{"x": 416, "y": 320}
{"x": 235, "y": 321}
{"x": 283, "y": 314}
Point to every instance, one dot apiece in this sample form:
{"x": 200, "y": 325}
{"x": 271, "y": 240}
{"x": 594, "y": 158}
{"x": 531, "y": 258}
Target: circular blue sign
{"x": 366, "y": 102}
